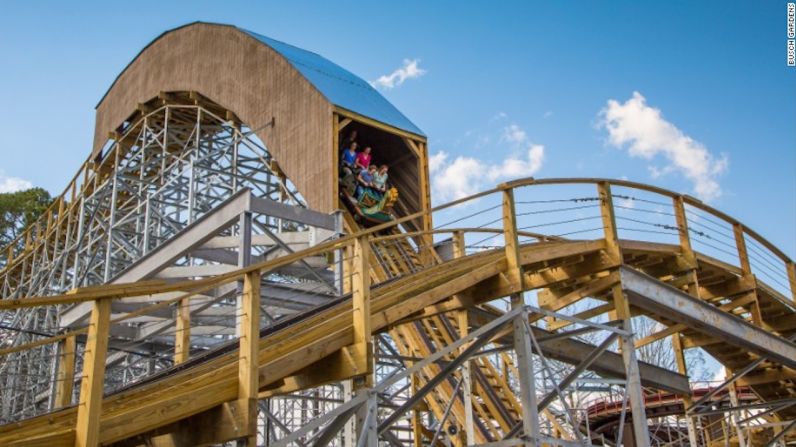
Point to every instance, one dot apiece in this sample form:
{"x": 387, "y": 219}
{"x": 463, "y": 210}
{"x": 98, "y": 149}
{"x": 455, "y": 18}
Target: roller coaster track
{"x": 412, "y": 300}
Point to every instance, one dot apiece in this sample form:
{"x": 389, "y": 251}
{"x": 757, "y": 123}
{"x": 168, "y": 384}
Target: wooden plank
{"x": 87, "y": 427}
{"x": 512, "y": 244}
{"x": 609, "y": 221}
{"x": 337, "y": 126}
{"x": 66, "y": 372}
{"x": 182, "y": 335}
{"x": 248, "y": 355}
{"x": 740, "y": 244}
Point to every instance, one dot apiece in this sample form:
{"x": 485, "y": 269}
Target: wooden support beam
{"x": 182, "y": 336}
{"x": 746, "y": 268}
{"x": 609, "y": 221}
{"x": 336, "y": 128}
{"x": 512, "y": 243}
{"x": 458, "y": 245}
{"x": 248, "y": 379}
{"x": 66, "y": 372}
{"x": 682, "y": 230}
{"x": 342, "y": 123}
{"x": 427, "y": 254}
{"x": 360, "y": 281}
{"x": 740, "y": 244}
{"x": 87, "y": 428}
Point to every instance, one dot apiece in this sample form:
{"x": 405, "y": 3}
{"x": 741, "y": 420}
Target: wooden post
{"x": 360, "y": 283}
{"x": 87, "y": 428}
{"x": 182, "y": 336}
{"x": 682, "y": 229}
{"x": 746, "y": 268}
{"x": 612, "y": 248}
{"x": 740, "y": 243}
{"x": 458, "y": 245}
{"x": 512, "y": 244}
{"x": 425, "y": 200}
{"x": 335, "y": 158}
{"x": 66, "y": 372}
{"x": 362, "y": 349}
{"x": 609, "y": 221}
{"x": 248, "y": 367}
{"x": 791, "y": 266}
{"x": 417, "y": 417}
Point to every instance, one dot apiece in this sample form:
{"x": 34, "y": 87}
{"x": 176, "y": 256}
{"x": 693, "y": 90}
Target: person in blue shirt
{"x": 365, "y": 179}
{"x": 349, "y": 159}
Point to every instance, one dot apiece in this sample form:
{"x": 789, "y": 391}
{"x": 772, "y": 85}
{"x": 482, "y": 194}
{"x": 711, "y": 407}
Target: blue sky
{"x": 529, "y": 82}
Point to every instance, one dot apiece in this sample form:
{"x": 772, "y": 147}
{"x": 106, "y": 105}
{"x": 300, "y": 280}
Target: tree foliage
{"x": 20, "y": 209}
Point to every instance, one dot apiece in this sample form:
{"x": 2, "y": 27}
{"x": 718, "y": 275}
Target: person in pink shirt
{"x": 363, "y": 159}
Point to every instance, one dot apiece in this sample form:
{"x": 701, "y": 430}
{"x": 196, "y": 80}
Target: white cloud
{"x": 645, "y": 133}
{"x": 409, "y": 70}
{"x": 13, "y": 184}
{"x": 436, "y": 161}
{"x": 465, "y": 176}
{"x": 458, "y": 179}
{"x": 514, "y": 134}
{"x": 516, "y": 167}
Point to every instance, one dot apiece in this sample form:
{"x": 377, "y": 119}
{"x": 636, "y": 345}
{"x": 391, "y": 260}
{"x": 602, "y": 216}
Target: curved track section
{"x": 289, "y": 354}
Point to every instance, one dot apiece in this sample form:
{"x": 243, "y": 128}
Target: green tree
{"x": 20, "y": 209}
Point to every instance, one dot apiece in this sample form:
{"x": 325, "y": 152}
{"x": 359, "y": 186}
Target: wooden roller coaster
{"x": 198, "y": 282}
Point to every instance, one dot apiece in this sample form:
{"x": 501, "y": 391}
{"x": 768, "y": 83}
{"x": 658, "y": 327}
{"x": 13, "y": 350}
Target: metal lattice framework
{"x": 163, "y": 170}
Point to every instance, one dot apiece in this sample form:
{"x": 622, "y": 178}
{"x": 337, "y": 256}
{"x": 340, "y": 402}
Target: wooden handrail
{"x": 348, "y": 239}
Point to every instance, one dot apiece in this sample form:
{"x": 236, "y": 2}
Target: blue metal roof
{"x": 341, "y": 87}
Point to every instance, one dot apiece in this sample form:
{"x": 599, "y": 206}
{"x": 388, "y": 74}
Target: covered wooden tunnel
{"x": 296, "y": 101}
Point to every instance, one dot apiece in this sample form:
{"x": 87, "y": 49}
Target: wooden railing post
{"x": 182, "y": 337}
{"x": 791, "y": 267}
{"x": 362, "y": 348}
{"x": 458, "y": 245}
{"x": 66, "y": 372}
{"x": 248, "y": 366}
{"x": 746, "y": 269}
{"x": 512, "y": 244}
{"x": 740, "y": 243}
{"x": 609, "y": 221}
{"x": 87, "y": 428}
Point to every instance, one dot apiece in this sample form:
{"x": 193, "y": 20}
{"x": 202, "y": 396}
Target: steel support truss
{"x": 176, "y": 161}
{"x": 540, "y": 382}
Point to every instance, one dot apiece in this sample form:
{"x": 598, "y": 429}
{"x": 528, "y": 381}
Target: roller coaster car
{"x": 371, "y": 208}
